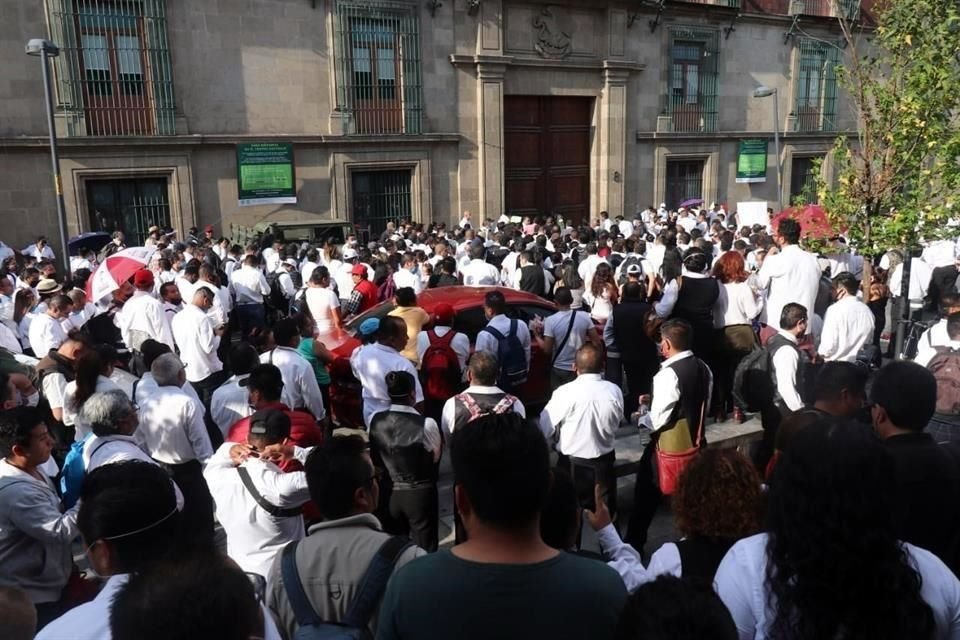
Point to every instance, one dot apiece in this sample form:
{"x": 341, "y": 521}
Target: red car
{"x": 467, "y": 302}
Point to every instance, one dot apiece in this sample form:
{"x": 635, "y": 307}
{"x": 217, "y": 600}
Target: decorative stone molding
{"x": 552, "y": 41}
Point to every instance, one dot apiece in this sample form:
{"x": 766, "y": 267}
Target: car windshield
{"x": 380, "y": 311}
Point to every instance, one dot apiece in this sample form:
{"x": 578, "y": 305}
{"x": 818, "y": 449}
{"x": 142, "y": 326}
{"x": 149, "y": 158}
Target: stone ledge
{"x": 28, "y": 142}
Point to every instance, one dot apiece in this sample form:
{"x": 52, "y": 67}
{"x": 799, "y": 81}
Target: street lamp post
{"x": 45, "y": 49}
{"x": 766, "y": 92}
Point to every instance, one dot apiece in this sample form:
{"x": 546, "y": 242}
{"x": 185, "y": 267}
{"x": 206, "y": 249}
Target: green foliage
{"x": 898, "y": 180}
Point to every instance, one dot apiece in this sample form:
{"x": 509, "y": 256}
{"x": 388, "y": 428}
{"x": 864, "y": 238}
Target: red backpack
{"x": 440, "y": 369}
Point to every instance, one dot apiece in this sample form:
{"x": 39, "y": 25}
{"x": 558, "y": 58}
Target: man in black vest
{"x": 681, "y": 399}
{"x": 530, "y": 275}
{"x": 54, "y": 371}
{"x": 638, "y": 353}
{"x": 408, "y": 445}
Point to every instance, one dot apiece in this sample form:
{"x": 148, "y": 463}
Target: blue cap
{"x": 369, "y": 326}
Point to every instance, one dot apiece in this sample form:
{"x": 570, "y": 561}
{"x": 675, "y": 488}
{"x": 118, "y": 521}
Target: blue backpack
{"x": 354, "y": 625}
{"x": 511, "y": 356}
{"x": 73, "y": 471}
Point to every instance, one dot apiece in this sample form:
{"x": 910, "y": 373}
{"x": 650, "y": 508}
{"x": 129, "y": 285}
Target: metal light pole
{"x": 766, "y": 92}
{"x": 45, "y": 49}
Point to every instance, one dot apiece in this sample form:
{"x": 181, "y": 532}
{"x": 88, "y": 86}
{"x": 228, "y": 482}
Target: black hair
{"x": 695, "y": 260}
{"x": 16, "y": 427}
{"x": 151, "y": 349}
{"x": 502, "y": 464}
{"x": 672, "y": 266}
{"x": 118, "y": 499}
{"x": 266, "y": 379}
{"x": 835, "y": 565}
{"x": 846, "y": 281}
{"x": 495, "y": 301}
{"x": 679, "y": 332}
{"x": 243, "y": 358}
{"x": 789, "y": 229}
{"x": 633, "y": 290}
{"x": 953, "y": 326}
{"x": 405, "y": 297}
{"x": 194, "y": 596}
{"x": 792, "y": 315}
{"x": 907, "y": 392}
{"x": 284, "y": 331}
{"x": 319, "y": 274}
{"x": 834, "y": 377}
{"x": 400, "y": 384}
{"x": 563, "y": 297}
{"x": 335, "y": 470}
{"x": 5, "y": 394}
{"x": 671, "y": 608}
{"x": 559, "y": 519}
{"x": 87, "y": 368}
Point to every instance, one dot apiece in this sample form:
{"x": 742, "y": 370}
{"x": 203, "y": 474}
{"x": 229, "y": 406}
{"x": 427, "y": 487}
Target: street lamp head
{"x": 763, "y": 92}
{"x": 39, "y": 47}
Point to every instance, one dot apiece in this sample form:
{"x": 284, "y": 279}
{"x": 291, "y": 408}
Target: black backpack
{"x": 630, "y": 260}
{"x": 276, "y": 298}
{"x": 511, "y": 356}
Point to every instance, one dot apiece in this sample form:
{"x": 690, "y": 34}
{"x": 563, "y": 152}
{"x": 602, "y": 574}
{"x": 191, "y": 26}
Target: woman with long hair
{"x": 603, "y": 293}
{"x": 322, "y": 302}
{"x": 568, "y": 278}
{"x": 691, "y": 296}
{"x": 830, "y": 564}
{"x": 737, "y": 306}
{"x": 92, "y": 370}
{"x": 24, "y": 302}
{"x": 718, "y": 501}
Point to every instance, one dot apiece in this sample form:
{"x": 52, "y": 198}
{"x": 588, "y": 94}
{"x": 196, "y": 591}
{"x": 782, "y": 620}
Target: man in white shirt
{"x": 46, "y": 332}
{"x": 272, "y": 256}
{"x": 40, "y": 250}
{"x": 300, "y": 388}
{"x": 284, "y": 278}
{"x": 371, "y": 364}
{"x": 937, "y": 336}
{"x": 257, "y": 504}
{"x": 249, "y": 286}
{"x": 483, "y": 396}
{"x": 478, "y": 272}
{"x": 406, "y": 276}
{"x": 563, "y": 334}
{"x": 848, "y": 323}
{"x": 230, "y": 402}
{"x": 792, "y": 275}
{"x": 587, "y": 268}
{"x": 173, "y": 433}
{"x": 625, "y": 227}
{"x": 198, "y": 340}
{"x": 495, "y": 309}
{"x": 311, "y": 261}
{"x": 142, "y": 316}
{"x": 587, "y": 412}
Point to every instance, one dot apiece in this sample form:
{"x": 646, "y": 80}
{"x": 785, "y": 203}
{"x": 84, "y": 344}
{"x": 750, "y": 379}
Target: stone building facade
{"x": 417, "y": 109}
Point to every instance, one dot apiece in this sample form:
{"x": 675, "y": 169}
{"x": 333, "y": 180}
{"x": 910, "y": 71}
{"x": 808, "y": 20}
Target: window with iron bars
{"x": 113, "y": 74}
{"x": 377, "y": 57}
{"x": 691, "y": 97}
{"x": 816, "y": 86}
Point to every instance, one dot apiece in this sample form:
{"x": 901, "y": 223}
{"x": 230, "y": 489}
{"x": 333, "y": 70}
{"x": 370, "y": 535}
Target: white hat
{"x": 350, "y": 254}
{"x": 634, "y": 268}
{"x": 290, "y": 261}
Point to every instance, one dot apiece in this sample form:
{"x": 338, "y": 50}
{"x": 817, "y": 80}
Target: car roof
{"x": 461, "y": 297}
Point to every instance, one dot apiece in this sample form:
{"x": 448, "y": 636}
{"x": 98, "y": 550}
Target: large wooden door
{"x": 547, "y": 156}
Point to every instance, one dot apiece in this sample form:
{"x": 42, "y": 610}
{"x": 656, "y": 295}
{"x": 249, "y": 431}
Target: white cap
{"x": 290, "y": 261}
{"x": 350, "y": 254}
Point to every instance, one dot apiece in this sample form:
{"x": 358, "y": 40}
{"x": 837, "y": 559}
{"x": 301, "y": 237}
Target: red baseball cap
{"x": 143, "y": 278}
{"x": 359, "y": 270}
{"x": 443, "y": 314}
{"x": 208, "y": 228}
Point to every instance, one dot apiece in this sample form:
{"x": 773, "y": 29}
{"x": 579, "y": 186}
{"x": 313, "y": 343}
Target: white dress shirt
{"x": 556, "y": 327}
{"x": 626, "y": 561}
{"x": 666, "y": 393}
{"x": 460, "y": 345}
{"x": 306, "y": 270}
{"x": 98, "y": 452}
{"x": 737, "y": 304}
{"x": 249, "y": 285}
{"x": 370, "y": 365}
{"x": 46, "y": 334}
{"x": 300, "y": 388}
{"x": 254, "y": 537}
{"x": 741, "y": 584}
{"x": 194, "y": 335}
{"x": 406, "y": 278}
{"x": 479, "y": 273}
{"x": 144, "y": 313}
{"x": 40, "y": 254}
{"x": 147, "y": 385}
{"x": 171, "y": 427}
{"x": 230, "y": 403}
{"x": 70, "y": 412}
{"x": 626, "y": 228}
{"x": 847, "y": 326}
{"x": 487, "y": 342}
{"x": 935, "y": 336}
{"x": 587, "y": 412}
{"x": 785, "y": 364}
{"x": 448, "y": 417}
{"x": 587, "y": 268}
{"x": 793, "y": 275}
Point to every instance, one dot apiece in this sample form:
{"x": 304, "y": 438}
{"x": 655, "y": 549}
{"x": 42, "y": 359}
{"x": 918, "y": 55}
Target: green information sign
{"x": 265, "y": 174}
{"x": 752, "y": 161}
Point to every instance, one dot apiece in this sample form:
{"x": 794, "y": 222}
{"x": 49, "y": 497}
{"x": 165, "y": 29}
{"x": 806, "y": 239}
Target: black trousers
{"x": 205, "y": 389}
{"x": 639, "y": 381}
{"x": 770, "y": 418}
{"x": 417, "y": 512}
{"x": 560, "y": 377}
{"x": 601, "y": 470}
{"x": 646, "y": 499}
{"x": 197, "y": 514}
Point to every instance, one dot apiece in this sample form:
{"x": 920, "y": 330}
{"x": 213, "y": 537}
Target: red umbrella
{"x": 116, "y": 270}
{"x": 813, "y": 220}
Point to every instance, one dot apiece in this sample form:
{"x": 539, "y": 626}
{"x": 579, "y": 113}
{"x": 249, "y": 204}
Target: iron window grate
{"x": 693, "y": 79}
{"x": 815, "y": 105}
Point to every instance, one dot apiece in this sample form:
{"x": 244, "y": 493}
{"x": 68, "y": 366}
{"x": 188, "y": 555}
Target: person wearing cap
{"x": 258, "y": 505}
{"x": 229, "y": 403}
{"x": 153, "y": 237}
{"x": 300, "y": 387}
{"x": 343, "y": 275}
{"x": 142, "y": 316}
{"x": 371, "y": 363}
{"x": 408, "y": 445}
{"x": 208, "y": 233}
{"x": 46, "y": 332}
{"x": 249, "y": 286}
{"x": 364, "y": 294}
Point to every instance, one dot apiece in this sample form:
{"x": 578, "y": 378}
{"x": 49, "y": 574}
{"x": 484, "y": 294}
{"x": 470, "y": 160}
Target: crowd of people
{"x": 180, "y": 458}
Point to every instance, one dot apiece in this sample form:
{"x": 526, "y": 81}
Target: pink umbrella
{"x": 116, "y": 270}
{"x": 813, "y": 219}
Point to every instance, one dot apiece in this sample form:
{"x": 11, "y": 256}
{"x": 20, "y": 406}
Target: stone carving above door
{"x": 552, "y": 38}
